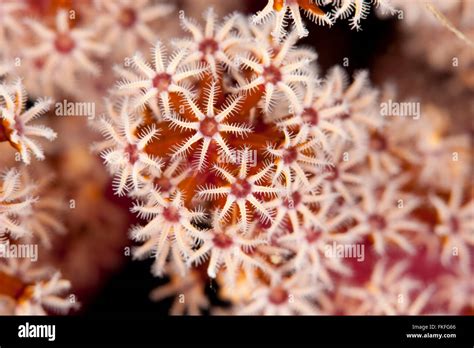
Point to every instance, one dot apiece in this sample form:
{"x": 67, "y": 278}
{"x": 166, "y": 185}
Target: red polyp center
{"x": 310, "y": 116}
{"x": 209, "y": 127}
{"x": 332, "y": 173}
{"x": 163, "y": 184}
{"x": 290, "y": 155}
{"x": 313, "y": 235}
{"x": 377, "y": 222}
{"x": 127, "y": 17}
{"x": 222, "y": 241}
{"x": 241, "y": 188}
{"x": 162, "y": 82}
{"x": 271, "y": 74}
{"x": 171, "y": 214}
{"x": 131, "y": 152}
{"x": 208, "y": 46}
{"x": 292, "y": 201}
{"x": 454, "y": 224}
{"x": 38, "y": 63}
{"x": 378, "y": 142}
{"x": 278, "y": 295}
{"x": 64, "y": 43}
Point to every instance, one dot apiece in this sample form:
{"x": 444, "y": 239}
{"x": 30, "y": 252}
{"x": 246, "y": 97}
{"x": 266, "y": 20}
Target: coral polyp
{"x": 15, "y": 121}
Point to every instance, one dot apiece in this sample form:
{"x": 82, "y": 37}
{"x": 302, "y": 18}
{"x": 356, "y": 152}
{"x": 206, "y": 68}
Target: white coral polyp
{"x": 297, "y": 152}
{"x": 16, "y": 119}
{"x": 47, "y": 296}
{"x": 127, "y": 23}
{"x": 278, "y": 72}
{"x": 227, "y": 246}
{"x": 294, "y": 295}
{"x": 124, "y": 150}
{"x": 64, "y": 52}
{"x": 281, "y": 9}
{"x": 208, "y": 126}
{"x": 14, "y": 203}
{"x": 168, "y": 232}
{"x": 168, "y": 75}
{"x": 242, "y": 190}
{"x": 214, "y": 44}
{"x": 45, "y": 291}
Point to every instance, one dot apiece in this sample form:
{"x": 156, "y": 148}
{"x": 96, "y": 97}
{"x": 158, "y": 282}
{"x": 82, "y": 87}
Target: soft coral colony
{"x": 249, "y": 169}
{"x": 246, "y": 166}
